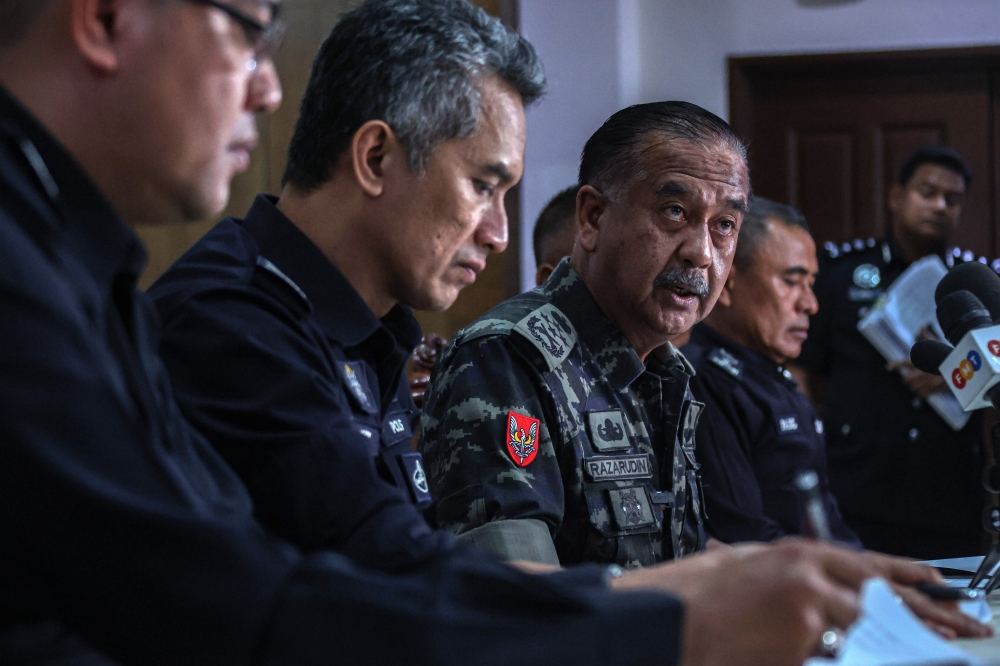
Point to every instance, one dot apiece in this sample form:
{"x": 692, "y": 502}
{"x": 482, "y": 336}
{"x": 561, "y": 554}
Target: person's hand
{"x": 770, "y": 604}
{"x": 421, "y": 363}
{"x": 920, "y": 383}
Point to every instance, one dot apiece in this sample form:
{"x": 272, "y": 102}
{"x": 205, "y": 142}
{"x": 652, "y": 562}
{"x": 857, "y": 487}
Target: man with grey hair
{"x": 758, "y": 433}
{"x": 410, "y": 133}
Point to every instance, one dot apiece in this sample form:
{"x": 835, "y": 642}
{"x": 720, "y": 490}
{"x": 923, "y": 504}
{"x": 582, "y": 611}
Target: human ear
{"x": 94, "y": 27}
{"x": 374, "y": 149}
{"x": 726, "y": 297}
{"x": 590, "y": 207}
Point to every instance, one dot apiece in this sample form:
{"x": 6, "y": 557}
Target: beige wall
{"x": 309, "y": 21}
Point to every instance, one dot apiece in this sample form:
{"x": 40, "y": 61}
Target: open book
{"x": 896, "y": 319}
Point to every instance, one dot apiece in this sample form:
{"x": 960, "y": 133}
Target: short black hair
{"x": 16, "y": 17}
{"x": 611, "y": 158}
{"x": 415, "y": 64}
{"x": 940, "y": 155}
{"x": 756, "y": 228}
{"x": 557, "y": 215}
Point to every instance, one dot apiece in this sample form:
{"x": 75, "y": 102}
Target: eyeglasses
{"x": 264, "y": 39}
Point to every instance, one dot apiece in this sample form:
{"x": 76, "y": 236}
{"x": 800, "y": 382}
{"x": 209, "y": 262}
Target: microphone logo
{"x": 971, "y": 364}
{"x": 966, "y": 370}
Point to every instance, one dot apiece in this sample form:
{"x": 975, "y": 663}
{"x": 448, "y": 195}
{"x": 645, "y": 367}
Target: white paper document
{"x": 888, "y": 634}
{"x": 897, "y": 317}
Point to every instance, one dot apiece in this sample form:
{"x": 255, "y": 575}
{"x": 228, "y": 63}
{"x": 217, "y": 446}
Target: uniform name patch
{"x": 787, "y": 424}
{"x": 611, "y": 468}
{"x": 522, "y": 438}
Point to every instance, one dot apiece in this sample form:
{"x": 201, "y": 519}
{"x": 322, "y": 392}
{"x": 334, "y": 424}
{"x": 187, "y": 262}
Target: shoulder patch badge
{"x": 354, "y": 378}
{"x": 725, "y": 360}
{"x": 548, "y": 329}
{"x": 522, "y": 438}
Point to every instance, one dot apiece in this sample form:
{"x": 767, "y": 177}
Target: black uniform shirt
{"x": 757, "y": 433}
{"x": 892, "y": 459}
{"x": 120, "y": 523}
{"x": 278, "y": 361}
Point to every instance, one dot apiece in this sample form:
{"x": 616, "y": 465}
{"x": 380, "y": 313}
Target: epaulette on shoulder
{"x": 542, "y": 324}
{"x": 956, "y": 256}
{"x": 836, "y": 250}
{"x": 273, "y": 280}
{"x": 722, "y": 358}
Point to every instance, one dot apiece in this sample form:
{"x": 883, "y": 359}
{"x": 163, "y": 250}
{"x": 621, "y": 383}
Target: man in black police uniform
{"x": 906, "y": 482}
{"x": 758, "y": 432}
{"x": 124, "y": 536}
{"x": 394, "y": 197}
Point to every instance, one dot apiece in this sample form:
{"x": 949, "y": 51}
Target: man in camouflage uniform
{"x": 559, "y": 427}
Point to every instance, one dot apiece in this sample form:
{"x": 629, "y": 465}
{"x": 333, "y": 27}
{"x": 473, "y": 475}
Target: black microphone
{"x": 928, "y": 355}
{"x": 978, "y": 278}
{"x": 960, "y": 312}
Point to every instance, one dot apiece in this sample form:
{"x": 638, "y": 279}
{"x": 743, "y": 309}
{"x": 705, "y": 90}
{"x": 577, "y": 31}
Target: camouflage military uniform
{"x": 547, "y": 438}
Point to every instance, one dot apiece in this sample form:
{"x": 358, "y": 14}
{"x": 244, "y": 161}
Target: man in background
{"x": 758, "y": 433}
{"x": 906, "y": 483}
{"x": 555, "y": 230}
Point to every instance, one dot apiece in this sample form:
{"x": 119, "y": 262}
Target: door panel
{"x": 829, "y": 133}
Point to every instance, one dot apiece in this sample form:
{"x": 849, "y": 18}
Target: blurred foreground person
{"x": 906, "y": 483}
{"x": 125, "y": 538}
{"x": 758, "y": 432}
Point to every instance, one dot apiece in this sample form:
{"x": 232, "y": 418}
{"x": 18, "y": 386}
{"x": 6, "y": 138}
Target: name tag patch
{"x": 787, "y": 424}
{"x": 607, "y": 431}
{"x": 614, "y": 468}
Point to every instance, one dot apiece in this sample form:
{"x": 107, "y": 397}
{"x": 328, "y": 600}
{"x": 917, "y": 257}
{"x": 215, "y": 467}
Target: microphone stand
{"x": 991, "y": 517}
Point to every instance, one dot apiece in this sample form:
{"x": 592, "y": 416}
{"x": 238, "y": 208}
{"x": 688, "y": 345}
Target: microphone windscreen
{"x": 977, "y": 278}
{"x": 928, "y": 355}
{"x": 959, "y": 312}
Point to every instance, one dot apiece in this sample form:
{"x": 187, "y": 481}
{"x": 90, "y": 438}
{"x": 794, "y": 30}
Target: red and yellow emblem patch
{"x": 522, "y": 438}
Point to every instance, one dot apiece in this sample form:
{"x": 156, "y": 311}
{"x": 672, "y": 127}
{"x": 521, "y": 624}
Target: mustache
{"x": 690, "y": 279}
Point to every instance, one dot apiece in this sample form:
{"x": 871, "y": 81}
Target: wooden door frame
{"x": 751, "y": 76}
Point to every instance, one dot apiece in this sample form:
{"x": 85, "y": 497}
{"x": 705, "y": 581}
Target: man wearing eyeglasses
{"x": 123, "y": 537}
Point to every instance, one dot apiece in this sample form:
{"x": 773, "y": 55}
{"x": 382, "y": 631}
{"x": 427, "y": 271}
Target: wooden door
{"x": 828, "y": 133}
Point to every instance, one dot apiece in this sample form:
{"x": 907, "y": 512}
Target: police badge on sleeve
{"x": 522, "y": 438}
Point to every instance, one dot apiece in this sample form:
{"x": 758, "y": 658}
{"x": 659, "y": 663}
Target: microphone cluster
{"x": 968, "y": 311}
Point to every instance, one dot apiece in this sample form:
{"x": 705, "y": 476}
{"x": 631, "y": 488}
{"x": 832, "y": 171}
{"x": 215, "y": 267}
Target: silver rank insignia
{"x": 356, "y": 382}
{"x": 725, "y": 360}
{"x": 867, "y": 276}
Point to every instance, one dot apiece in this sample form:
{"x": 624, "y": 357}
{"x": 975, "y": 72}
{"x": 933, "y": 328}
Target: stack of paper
{"x": 897, "y": 317}
{"x": 888, "y": 634}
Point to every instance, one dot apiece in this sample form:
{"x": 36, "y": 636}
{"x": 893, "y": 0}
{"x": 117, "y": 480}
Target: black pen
{"x": 945, "y": 593}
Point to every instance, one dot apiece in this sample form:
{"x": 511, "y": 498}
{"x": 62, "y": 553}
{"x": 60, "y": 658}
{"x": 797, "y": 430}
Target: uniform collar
{"x": 337, "y": 306}
{"x": 102, "y": 242}
{"x": 617, "y": 358}
{"x": 708, "y": 338}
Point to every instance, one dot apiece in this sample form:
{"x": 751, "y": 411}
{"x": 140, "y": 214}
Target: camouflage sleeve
{"x": 489, "y": 452}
